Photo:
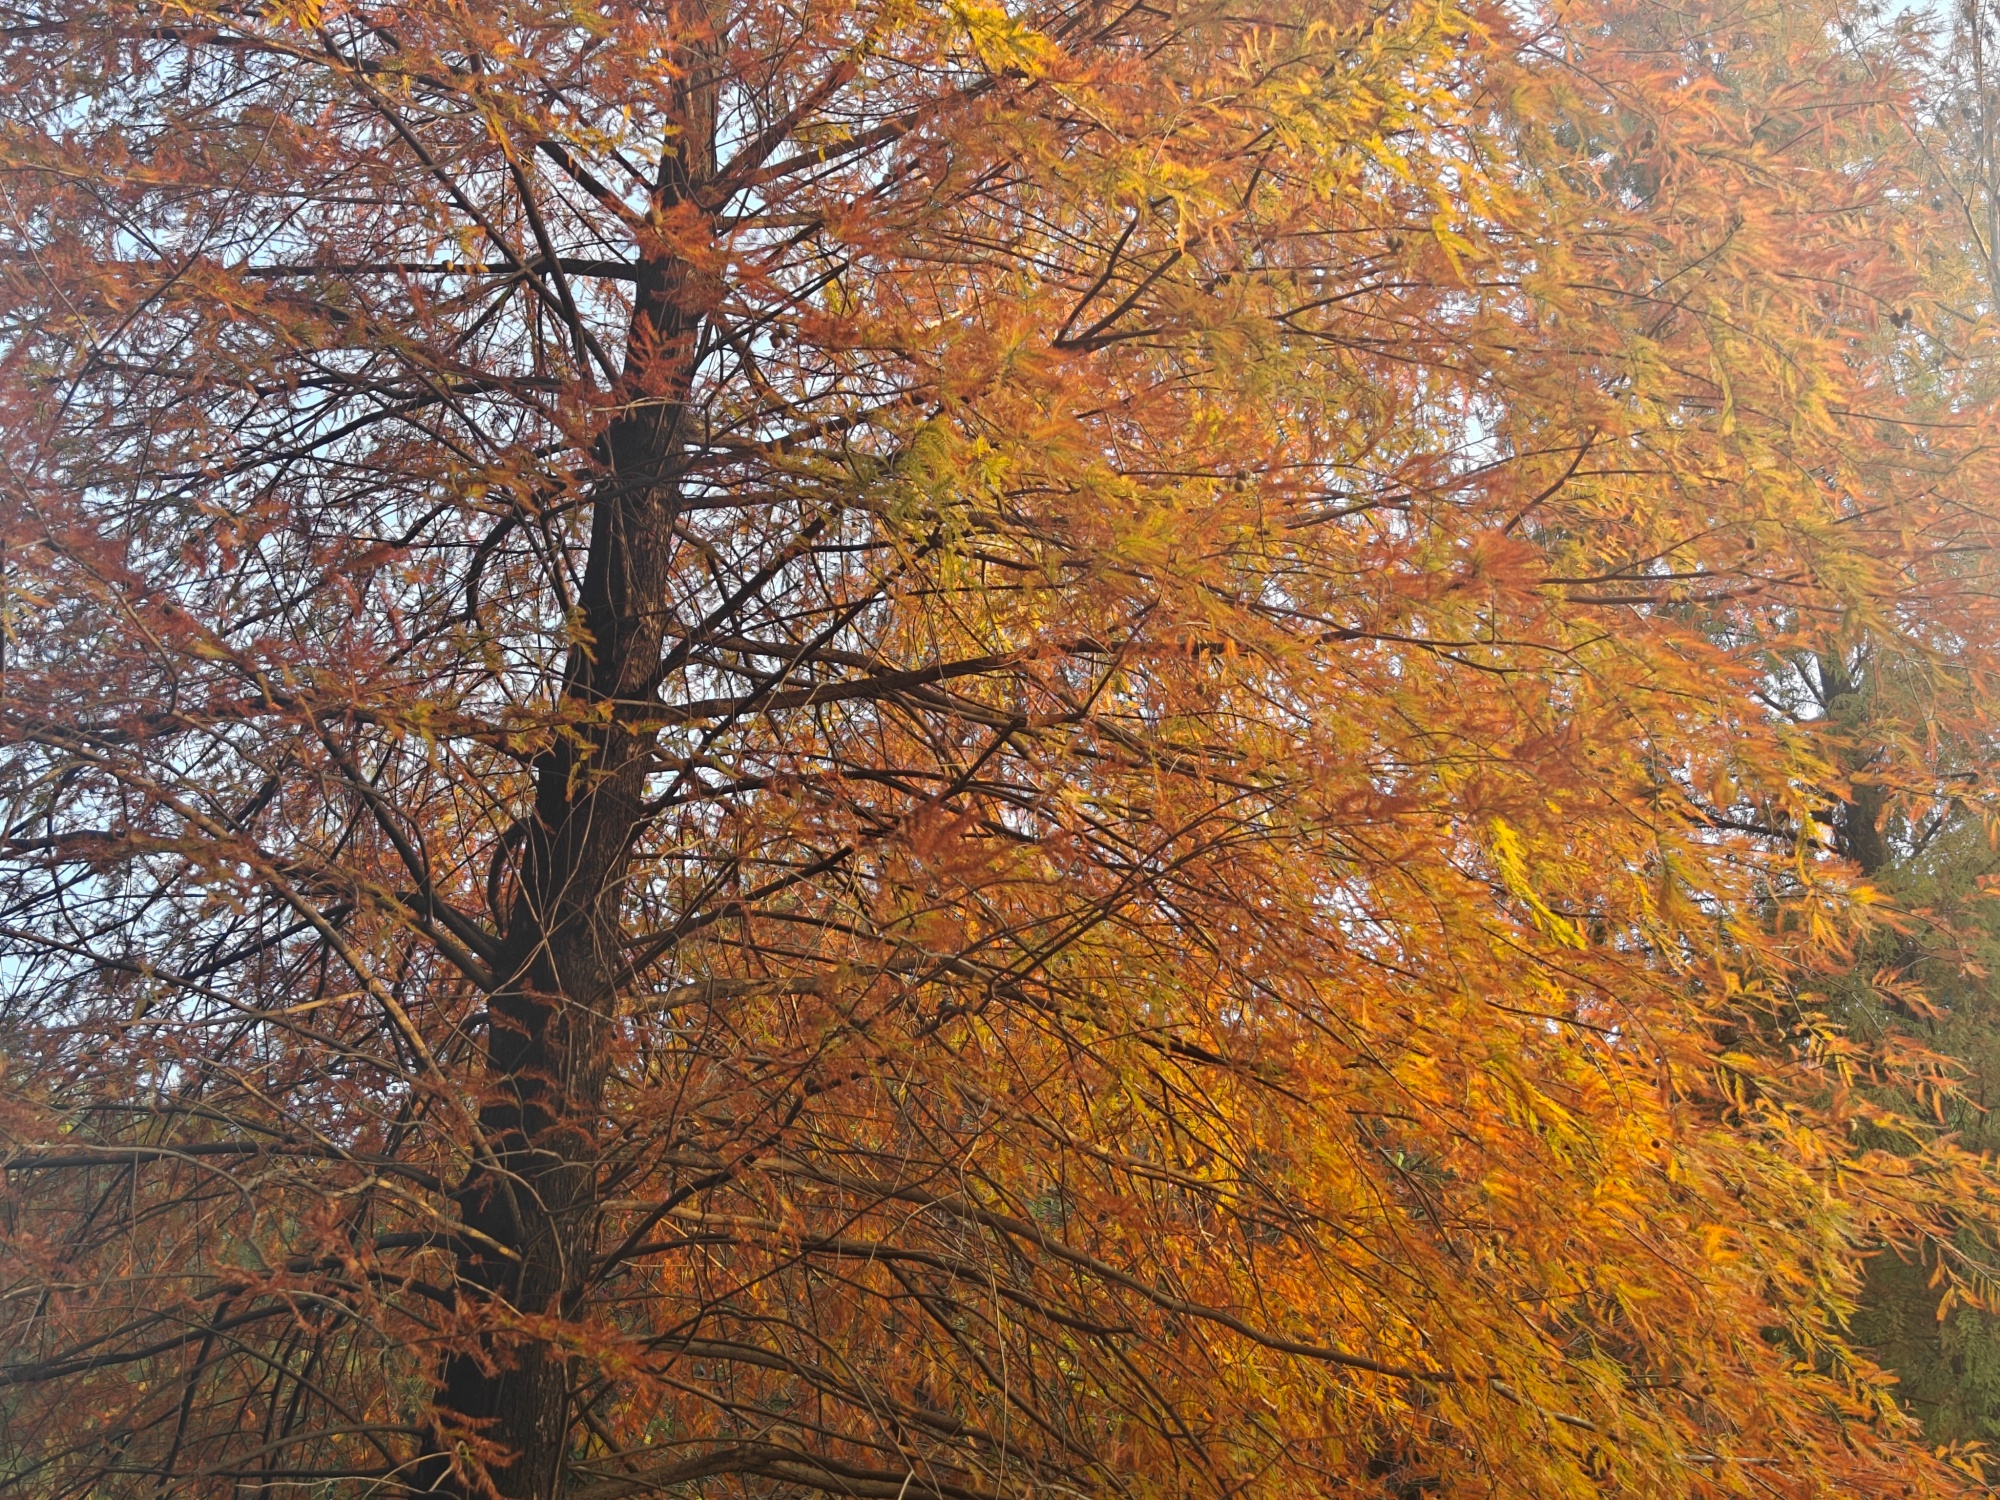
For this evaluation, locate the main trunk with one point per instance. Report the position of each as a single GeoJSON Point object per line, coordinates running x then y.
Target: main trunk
{"type": "Point", "coordinates": [1858, 831]}
{"type": "Point", "coordinates": [531, 1205]}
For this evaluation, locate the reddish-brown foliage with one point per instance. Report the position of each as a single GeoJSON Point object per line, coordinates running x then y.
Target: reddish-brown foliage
{"type": "Point", "coordinates": [941, 750]}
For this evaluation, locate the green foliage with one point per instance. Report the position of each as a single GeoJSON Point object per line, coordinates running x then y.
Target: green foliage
{"type": "Point", "coordinates": [1936, 983]}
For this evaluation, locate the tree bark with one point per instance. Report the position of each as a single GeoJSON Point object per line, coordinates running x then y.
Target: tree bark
{"type": "Point", "coordinates": [549, 1021]}
{"type": "Point", "coordinates": [1858, 831]}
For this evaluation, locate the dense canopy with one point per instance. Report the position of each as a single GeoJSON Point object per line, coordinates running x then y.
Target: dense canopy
{"type": "Point", "coordinates": [952, 751]}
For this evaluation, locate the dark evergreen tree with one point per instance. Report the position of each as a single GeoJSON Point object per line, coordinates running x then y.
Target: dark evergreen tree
{"type": "Point", "coordinates": [1936, 983]}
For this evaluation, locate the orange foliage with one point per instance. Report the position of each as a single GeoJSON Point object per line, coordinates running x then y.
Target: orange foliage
{"type": "Point", "coordinates": [964, 751]}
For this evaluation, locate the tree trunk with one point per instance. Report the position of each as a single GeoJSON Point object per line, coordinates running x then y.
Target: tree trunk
{"type": "Point", "coordinates": [1858, 831]}
{"type": "Point", "coordinates": [549, 1022]}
